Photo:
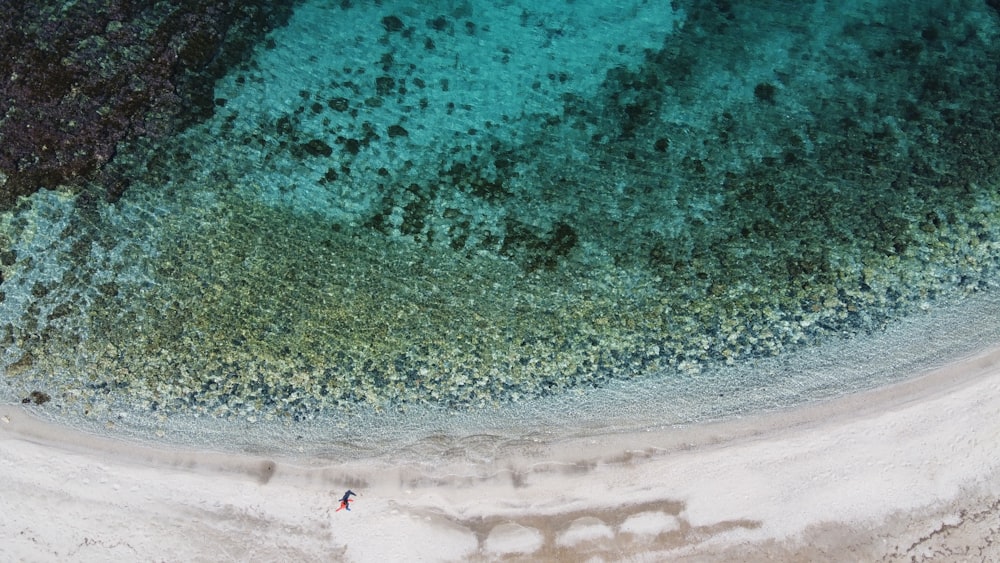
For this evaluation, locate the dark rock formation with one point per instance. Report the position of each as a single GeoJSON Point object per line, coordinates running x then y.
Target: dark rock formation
{"type": "Point", "coordinates": [80, 76]}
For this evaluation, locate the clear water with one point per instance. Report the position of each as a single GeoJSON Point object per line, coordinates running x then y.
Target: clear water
{"type": "Point", "coordinates": [494, 211]}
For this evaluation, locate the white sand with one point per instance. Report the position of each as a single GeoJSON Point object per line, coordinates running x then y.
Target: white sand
{"type": "Point", "coordinates": [905, 472]}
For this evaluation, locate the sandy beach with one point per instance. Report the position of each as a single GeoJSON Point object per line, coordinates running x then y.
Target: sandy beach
{"type": "Point", "coordinates": [906, 472]}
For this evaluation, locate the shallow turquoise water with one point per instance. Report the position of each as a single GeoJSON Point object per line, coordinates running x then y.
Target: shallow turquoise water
{"type": "Point", "coordinates": [472, 204]}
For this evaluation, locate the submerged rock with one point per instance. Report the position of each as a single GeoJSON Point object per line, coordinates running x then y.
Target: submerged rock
{"type": "Point", "coordinates": [78, 78]}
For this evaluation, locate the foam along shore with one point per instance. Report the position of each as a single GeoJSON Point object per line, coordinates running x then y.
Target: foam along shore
{"type": "Point", "coordinates": [907, 470]}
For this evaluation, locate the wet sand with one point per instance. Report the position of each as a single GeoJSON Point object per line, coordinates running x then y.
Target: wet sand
{"type": "Point", "coordinates": [906, 472]}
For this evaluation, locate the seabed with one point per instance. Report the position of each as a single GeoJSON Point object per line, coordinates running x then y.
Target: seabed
{"type": "Point", "coordinates": [491, 211]}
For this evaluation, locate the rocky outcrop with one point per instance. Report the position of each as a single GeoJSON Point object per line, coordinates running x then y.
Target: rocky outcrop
{"type": "Point", "coordinates": [81, 76]}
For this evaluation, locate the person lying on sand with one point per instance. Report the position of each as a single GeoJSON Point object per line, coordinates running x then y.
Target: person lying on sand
{"type": "Point", "coordinates": [346, 500]}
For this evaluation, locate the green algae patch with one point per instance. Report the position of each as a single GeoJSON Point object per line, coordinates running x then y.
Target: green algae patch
{"type": "Point", "coordinates": [254, 301]}
{"type": "Point", "coordinates": [244, 308]}
{"type": "Point", "coordinates": [211, 302]}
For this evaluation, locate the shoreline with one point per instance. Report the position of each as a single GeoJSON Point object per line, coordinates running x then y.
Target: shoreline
{"type": "Point", "coordinates": [903, 470]}
{"type": "Point", "coordinates": [810, 376]}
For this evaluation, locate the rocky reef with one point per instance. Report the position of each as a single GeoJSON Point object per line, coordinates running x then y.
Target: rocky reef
{"type": "Point", "coordinates": [80, 76]}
